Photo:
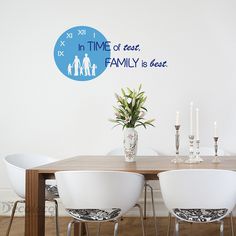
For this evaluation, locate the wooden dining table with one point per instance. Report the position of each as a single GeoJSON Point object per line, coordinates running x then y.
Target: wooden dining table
{"type": "Point", "coordinates": [149, 166]}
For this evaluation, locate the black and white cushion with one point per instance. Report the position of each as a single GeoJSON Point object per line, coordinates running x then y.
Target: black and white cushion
{"type": "Point", "coordinates": [94, 214]}
{"type": "Point", "coordinates": [52, 191]}
{"type": "Point", "coordinates": [200, 215]}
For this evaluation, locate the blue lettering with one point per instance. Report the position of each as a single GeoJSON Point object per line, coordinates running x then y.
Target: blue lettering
{"type": "Point", "coordinates": [95, 46]}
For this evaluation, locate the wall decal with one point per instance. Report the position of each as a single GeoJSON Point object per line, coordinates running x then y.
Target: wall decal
{"type": "Point", "coordinates": [80, 53]}
{"type": "Point", "coordinates": [83, 53]}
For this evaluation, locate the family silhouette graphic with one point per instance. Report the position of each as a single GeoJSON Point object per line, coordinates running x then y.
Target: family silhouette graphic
{"type": "Point", "coordinates": [84, 69]}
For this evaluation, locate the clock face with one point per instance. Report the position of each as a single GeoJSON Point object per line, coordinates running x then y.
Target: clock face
{"type": "Point", "coordinates": [80, 53]}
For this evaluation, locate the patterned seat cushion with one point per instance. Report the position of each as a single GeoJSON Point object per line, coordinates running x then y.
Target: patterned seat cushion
{"type": "Point", "coordinates": [94, 214]}
{"type": "Point", "coordinates": [200, 215]}
{"type": "Point", "coordinates": [51, 191]}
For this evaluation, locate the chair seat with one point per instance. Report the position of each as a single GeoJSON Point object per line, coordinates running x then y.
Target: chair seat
{"type": "Point", "coordinates": [51, 191]}
{"type": "Point", "coordinates": [200, 215]}
{"type": "Point", "coordinates": [94, 214]}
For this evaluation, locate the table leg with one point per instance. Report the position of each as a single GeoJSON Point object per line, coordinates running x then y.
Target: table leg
{"type": "Point", "coordinates": [77, 229]}
{"type": "Point", "coordinates": [35, 204]}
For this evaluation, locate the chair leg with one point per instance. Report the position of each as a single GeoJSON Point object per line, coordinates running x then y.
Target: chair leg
{"type": "Point", "coordinates": [87, 229]}
{"type": "Point", "coordinates": [232, 223]}
{"type": "Point", "coordinates": [12, 215]}
{"type": "Point", "coordinates": [169, 224]}
{"type": "Point", "coordinates": [98, 229]}
{"type": "Point", "coordinates": [116, 228]}
{"type": "Point", "coordinates": [141, 218]}
{"type": "Point", "coordinates": [69, 227]}
{"type": "Point", "coordinates": [221, 228]}
{"type": "Point", "coordinates": [177, 227]}
{"type": "Point", "coordinates": [145, 200]}
{"type": "Point", "coordinates": [56, 215]}
{"type": "Point", "coordinates": [153, 208]}
{"type": "Point", "coordinates": [80, 229]}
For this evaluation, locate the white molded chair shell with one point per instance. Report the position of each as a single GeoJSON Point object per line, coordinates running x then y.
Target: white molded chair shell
{"type": "Point", "coordinates": [16, 165]}
{"type": "Point", "coordinates": [99, 189]}
{"type": "Point", "coordinates": [141, 151]}
{"type": "Point", "coordinates": [198, 189]}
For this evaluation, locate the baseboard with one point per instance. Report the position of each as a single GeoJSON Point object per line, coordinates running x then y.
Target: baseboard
{"type": "Point", "coordinates": [8, 197]}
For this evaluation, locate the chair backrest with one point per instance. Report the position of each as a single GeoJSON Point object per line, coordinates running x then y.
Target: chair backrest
{"type": "Point", "coordinates": [99, 189]}
{"type": "Point", "coordinates": [198, 189]}
{"type": "Point", "coordinates": [16, 165]}
{"type": "Point", "coordinates": [142, 151]}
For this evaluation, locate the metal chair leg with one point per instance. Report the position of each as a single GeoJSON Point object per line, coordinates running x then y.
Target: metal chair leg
{"type": "Point", "coordinates": [56, 215]}
{"type": "Point", "coordinates": [12, 215]}
{"type": "Point", "coordinates": [98, 229]}
{"type": "Point", "coordinates": [153, 207]}
{"type": "Point", "coordinates": [116, 228]}
{"type": "Point", "coordinates": [56, 218]}
{"type": "Point", "coordinates": [176, 227]}
{"type": "Point", "coordinates": [221, 228]}
{"type": "Point", "coordinates": [145, 200]}
{"type": "Point", "coordinates": [169, 224]}
{"type": "Point", "coordinates": [69, 227]}
{"type": "Point", "coordinates": [232, 223]}
{"type": "Point", "coordinates": [141, 218]}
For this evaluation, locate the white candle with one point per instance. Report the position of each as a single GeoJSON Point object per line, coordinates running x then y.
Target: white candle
{"type": "Point", "coordinates": [177, 118]}
{"type": "Point", "coordinates": [215, 129]}
{"type": "Point", "coordinates": [197, 124]}
{"type": "Point", "coordinates": [191, 118]}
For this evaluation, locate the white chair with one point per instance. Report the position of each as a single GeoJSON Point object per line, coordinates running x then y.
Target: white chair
{"type": "Point", "coordinates": [16, 165]}
{"type": "Point", "coordinates": [99, 196]}
{"type": "Point", "coordinates": [143, 151]}
{"type": "Point", "coordinates": [199, 195]}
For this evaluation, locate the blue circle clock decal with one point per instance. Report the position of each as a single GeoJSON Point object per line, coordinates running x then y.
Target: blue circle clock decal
{"type": "Point", "coordinates": [80, 53]}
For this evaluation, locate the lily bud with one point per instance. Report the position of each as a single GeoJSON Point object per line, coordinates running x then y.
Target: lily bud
{"type": "Point", "coordinates": [142, 114]}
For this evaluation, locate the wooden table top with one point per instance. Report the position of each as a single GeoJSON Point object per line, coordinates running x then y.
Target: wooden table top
{"type": "Point", "coordinates": [147, 165]}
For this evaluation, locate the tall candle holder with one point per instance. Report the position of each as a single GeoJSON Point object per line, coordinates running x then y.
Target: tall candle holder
{"type": "Point", "coordinates": [216, 158]}
{"type": "Point", "coordinates": [177, 158]}
{"type": "Point", "coordinates": [192, 158]}
{"type": "Point", "coordinates": [198, 158]}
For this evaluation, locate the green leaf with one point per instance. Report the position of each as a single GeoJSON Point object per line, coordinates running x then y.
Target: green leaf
{"type": "Point", "coordinates": [130, 91]}
{"type": "Point", "coordinates": [123, 92]}
{"type": "Point", "coordinates": [144, 108]}
{"type": "Point", "coordinates": [140, 94]}
{"type": "Point", "coordinates": [142, 125]}
{"type": "Point", "coordinates": [140, 87]}
{"type": "Point", "coordinates": [133, 102]}
{"type": "Point", "coordinates": [151, 125]}
{"type": "Point", "coordinates": [116, 125]}
{"type": "Point", "coordinates": [112, 120]}
{"type": "Point", "coordinates": [116, 109]}
{"type": "Point", "coordinates": [150, 121]}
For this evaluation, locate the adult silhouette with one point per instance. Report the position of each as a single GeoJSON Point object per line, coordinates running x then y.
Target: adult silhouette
{"type": "Point", "coordinates": [76, 64]}
{"type": "Point", "coordinates": [86, 65]}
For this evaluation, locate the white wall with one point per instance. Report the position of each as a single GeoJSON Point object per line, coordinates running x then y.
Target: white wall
{"type": "Point", "coordinates": [43, 112]}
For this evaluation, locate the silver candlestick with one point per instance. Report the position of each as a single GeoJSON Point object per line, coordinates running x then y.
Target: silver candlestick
{"type": "Point", "coordinates": [216, 158]}
{"type": "Point", "coordinates": [177, 158]}
{"type": "Point", "coordinates": [192, 158]}
{"type": "Point", "coordinates": [198, 158]}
